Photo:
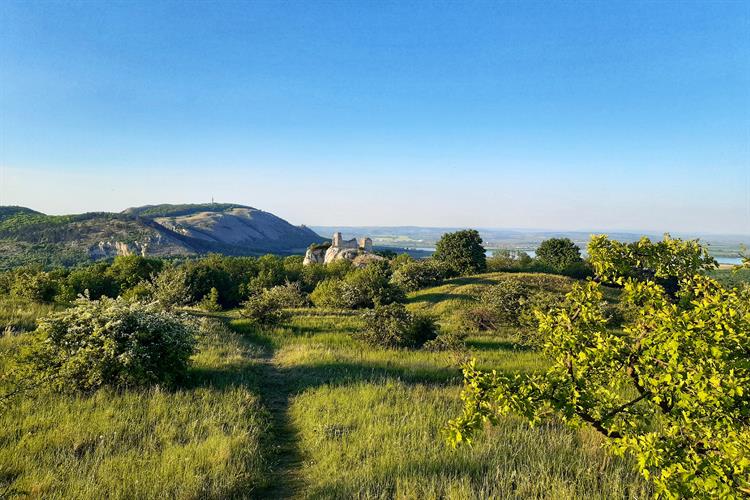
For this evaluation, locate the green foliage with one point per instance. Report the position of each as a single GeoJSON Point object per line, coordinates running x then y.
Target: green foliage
{"type": "Point", "coordinates": [417, 274]}
{"type": "Point", "coordinates": [128, 271]}
{"type": "Point", "coordinates": [109, 343]}
{"type": "Point", "coordinates": [665, 262]}
{"type": "Point", "coordinates": [462, 251]}
{"type": "Point", "coordinates": [400, 260]}
{"type": "Point", "coordinates": [288, 295]}
{"type": "Point", "coordinates": [454, 341]}
{"type": "Point", "coordinates": [499, 305]}
{"type": "Point", "coordinates": [93, 279]}
{"type": "Point", "coordinates": [508, 260]}
{"type": "Point", "coordinates": [270, 273]}
{"type": "Point", "coordinates": [267, 307]}
{"type": "Point", "coordinates": [334, 294]}
{"type": "Point", "coordinates": [170, 287]}
{"type": "Point", "coordinates": [670, 388]}
{"type": "Point", "coordinates": [393, 326]}
{"type": "Point", "coordinates": [37, 286]}
{"type": "Point", "coordinates": [365, 287]}
{"type": "Point", "coordinates": [558, 253]}
{"type": "Point", "coordinates": [210, 302]}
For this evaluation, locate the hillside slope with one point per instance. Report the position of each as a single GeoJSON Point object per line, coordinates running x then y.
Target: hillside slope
{"type": "Point", "coordinates": [30, 237]}
{"type": "Point", "coordinates": [229, 226]}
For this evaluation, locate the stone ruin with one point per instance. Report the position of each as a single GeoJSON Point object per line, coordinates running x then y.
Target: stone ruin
{"type": "Point", "coordinates": [359, 251]}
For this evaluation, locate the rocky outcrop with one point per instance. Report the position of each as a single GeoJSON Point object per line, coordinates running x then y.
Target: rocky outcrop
{"type": "Point", "coordinates": [315, 255]}
{"type": "Point", "coordinates": [107, 249]}
{"type": "Point", "coordinates": [359, 251]}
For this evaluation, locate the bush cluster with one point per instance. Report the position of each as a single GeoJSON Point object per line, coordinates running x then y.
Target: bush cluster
{"type": "Point", "coordinates": [267, 307]}
{"type": "Point", "coordinates": [369, 286]}
{"type": "Point", "coordinates": [393, 326]}
{"type": "Point", "coordinates": [419, 274]}
{"type": "Point", "coordinates": [108, 343]}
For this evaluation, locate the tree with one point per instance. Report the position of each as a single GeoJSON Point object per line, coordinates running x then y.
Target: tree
{"type": "Point", "coordinates": [665, 262]}
{"type": "Point", "coordinates": [171, 288]}
{"type": "Point", "coordinates": [37, 286]}
{"type": "Point", "coordinates": [462, 251]}
{"type": "Point", "coordinates": [507, 260]}
{"type": "Point", "coordinates": [558, 253]}
{"type": "Point", "coordinates": [93, 279]}
{"type": "Point", "coordinates": [130, 270]}
{"type": "Point", "coordinates": [671, 388]}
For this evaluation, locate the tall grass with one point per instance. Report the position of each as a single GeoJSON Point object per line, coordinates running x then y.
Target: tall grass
{"type": "Point", "coordinates": [305, 410]}
{"type": "Point", "coordinates": [19, 315]}
{"type": "Point", "coordinates": [206, 440]}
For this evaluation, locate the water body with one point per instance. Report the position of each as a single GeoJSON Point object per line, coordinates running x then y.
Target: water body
{"type": "Point", "coordinates": [734, 261]}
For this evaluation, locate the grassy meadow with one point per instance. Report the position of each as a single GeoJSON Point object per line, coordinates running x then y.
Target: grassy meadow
{"type": "Point", "coordinates": [304, 410]}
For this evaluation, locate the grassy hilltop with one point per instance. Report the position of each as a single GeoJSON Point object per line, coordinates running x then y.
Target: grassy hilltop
{"type": "Point", "coordinates": [306, 409]}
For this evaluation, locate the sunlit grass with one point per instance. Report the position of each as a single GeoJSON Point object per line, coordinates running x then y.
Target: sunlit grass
{"type": "Point", "coordinates": [361, 422]}
{"type": "Point", "coordinates": [206, 440]}
{"type": "Point", "coordinates": [19, 315]}
{"type": "Point", "coordinates": [382, 439]}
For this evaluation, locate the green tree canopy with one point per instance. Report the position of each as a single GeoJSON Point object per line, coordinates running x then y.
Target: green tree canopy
{"type": "Point", "coordinates": [665, 262]}
{"type": "Point", "coordinates": [462, 251]}
{"type": "Point", "coordinates": [671, 388]}
{"type": "Point", "coordinates": [558, 253]}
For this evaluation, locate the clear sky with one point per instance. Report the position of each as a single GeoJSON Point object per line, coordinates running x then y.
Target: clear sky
{"type": "Point", "coordinates": [559, 115]}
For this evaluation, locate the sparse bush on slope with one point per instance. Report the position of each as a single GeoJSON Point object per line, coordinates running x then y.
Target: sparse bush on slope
{"type": "Point", "coordinates": [267, 307]}
{"type": "Point", "coordinates": [393, 326]}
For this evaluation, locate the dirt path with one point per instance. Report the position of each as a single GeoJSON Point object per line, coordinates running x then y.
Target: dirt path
{"type": "Point", "coordinates": [276, 395]}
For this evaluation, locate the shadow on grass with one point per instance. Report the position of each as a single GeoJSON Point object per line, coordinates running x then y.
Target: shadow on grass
{"type": "Point", "coordinates": [495, 345]}
{"type": "Point", "coordinates": [434, 298]}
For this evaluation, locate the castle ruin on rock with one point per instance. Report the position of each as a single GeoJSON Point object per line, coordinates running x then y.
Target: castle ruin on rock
{"type": "Point", "coordinates": [359, 251]}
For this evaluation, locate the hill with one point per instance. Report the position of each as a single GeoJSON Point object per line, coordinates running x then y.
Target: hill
{"type": "Point", "coordinates": [31, 237]}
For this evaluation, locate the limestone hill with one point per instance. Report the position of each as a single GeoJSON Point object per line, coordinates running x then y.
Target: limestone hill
{"type": "Point", "coordinates": [27, 236]}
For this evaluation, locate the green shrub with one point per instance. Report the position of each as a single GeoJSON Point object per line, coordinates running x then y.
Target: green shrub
{"type": "Point", "coordinates": [499, 305]}
{"type": "Point", "coordinates": [267, 306]}
{"type": "Point", "coordinates": [130, 270]}
{"type": "Point", "coordinates": [393, 326]}
{"type": "Point", "coordinates": [509, 260]}
{"type": "Point", "coordinates": [331, 293]}
{"type": "Point", "coordinates": [311, 275]}
{"type": "Point", "coordinates": [110, 343]}
{"type": "Point", "coordinates": [578, 270]}
{"type": "Point", "coordinates": [419, 274]}
{"type": "Point", "coordinates": [361, 288]}
{"type": "Point", "coordinates": [93, 281]}
{"type": "Point", "coordinates": [447, 341]}
{"type": "Point", "coordinates": [210, 302]}
{"type": "Point", "coordinates": [36, 286]}
{"type": "Point", "coordinates": [170, 287]}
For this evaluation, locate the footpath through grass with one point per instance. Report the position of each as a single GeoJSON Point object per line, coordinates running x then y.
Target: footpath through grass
{"type": "Point", "coordinates": [367, 422]}
{"type": "Point", "coordinates": [305, 410]}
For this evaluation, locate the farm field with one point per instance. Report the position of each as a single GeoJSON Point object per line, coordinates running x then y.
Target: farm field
{"type": "Point", "coordinates": [305, 410]}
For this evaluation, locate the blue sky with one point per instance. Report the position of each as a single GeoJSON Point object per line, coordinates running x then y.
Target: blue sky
{"type": "Point", "coordinates": [559, 115]}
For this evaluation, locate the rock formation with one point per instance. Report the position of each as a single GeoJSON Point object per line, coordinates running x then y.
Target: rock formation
{"type": "Point", "coordinates": [359, 251]}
